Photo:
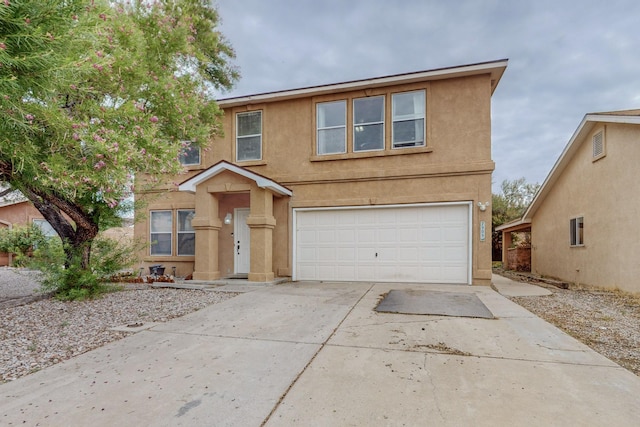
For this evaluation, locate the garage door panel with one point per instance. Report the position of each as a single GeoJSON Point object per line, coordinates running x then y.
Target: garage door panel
{"type": "Point", "coordinates": [427, 243]}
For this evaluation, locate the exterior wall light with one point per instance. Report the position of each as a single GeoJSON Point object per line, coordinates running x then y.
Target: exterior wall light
{"type": "Point", "coordinates": [483, 206]}
{"type": "Point", "coordinates": [228, 218]}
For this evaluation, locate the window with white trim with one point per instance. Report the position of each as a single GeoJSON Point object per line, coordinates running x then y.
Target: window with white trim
{"type": "Point", "coordinates": [249, 136]}
{"type": "Point", "coordinates": [576, 231]}
{"type": "Point", "coordinates": [186, 243]}
{"type": "Point", "coordinates": [189, 154]}
{"type": "Point", "coordinates": [368, 123]}
{"type": "Point", "coordinates": [408, 116]}
{"type": "Point", "coordinates": [45, 227]}
{"type": "Point", "coordinates": [161, 232]}
{"type": "Point", "coordinates": [332, 127]}
{"type": "Point", "coordinates": [598, 145]}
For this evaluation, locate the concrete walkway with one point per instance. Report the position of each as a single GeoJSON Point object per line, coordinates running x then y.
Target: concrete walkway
{"type": "Point", "coordinates": [317, 354]}
{"type": "Point", "coordinates": [510, 288]}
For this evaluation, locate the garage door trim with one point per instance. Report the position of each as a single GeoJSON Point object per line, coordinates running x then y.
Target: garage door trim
{"type": "Point", "coordinates": [468, 204]}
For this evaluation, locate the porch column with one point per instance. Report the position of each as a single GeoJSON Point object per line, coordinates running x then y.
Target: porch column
{"type": "Point", "coordinates": [506, 244]}
{"type": "Point", "coordinates": [207, 225]}
{"type": "Point", "coordinates": [261, 223]}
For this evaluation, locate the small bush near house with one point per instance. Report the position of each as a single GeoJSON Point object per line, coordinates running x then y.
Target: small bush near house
{"type": "Point", "coordinates": [21, 241]}
{"type": "Point", "coordinates": [65, 277]}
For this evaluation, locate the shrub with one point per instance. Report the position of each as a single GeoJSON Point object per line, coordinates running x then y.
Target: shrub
{"type": "Point", "coordinates": [65, 277]}
{"type": "Point", "coordinates": [21, 241]}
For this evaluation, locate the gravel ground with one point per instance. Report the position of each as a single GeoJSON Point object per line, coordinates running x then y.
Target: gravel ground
{"type": "Point", "coordinates": [45, 332]}
{"type": "Point", "coordinates": [42, 333]}
{"type": "Point", "coordinates": [606, 321]}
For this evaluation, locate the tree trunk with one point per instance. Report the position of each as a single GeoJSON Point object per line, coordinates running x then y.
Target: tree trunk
{"type": "Point", "coordinates": [58, 212]}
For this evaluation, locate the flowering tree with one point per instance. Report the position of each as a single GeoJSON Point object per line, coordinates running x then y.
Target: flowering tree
{"type": "Point", "coordinates": [93, 92]}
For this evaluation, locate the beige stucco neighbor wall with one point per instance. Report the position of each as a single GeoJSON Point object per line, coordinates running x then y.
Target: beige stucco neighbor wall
{"type": "Point", "coordinates": [605, 193]}
{"type": "Point", "coordinates": [455, 165]}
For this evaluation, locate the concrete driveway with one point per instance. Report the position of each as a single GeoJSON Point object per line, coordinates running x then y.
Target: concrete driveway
{"type": "Point", "coordinates": [318, 354]}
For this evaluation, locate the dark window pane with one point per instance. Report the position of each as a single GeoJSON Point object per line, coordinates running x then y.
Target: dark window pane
{"type": "Point", "coordinates": [250, 123]}
{"type": "Point", "coordinates": [331, 114]}
{"type": "Point", "coordinates": [160, 243]}
{"type": "Point", "coordinates": [369, 137]}
{"type": "Point", "coordinates": [184, 220]}
{"type": "Point", "coordinates": [408, 133]}
{"type": "Point", "coordinates": [190, 156]}
{"type": "Point", "coordinates": [186, 244]}
{"type": "Point", "coordinates": [368, 110]}
{"type": "Point", "coordinates": [250, 148]}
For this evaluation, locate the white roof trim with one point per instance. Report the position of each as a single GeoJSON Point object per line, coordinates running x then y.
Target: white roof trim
{"type": "Point", "coordinates": [190, 184]}
{"type": "Point", "coordinates": [586, 125]}
{"type": "Point", "coordinates": [511, 224]}
{"type": "Point", "coordinates": [495, 68]}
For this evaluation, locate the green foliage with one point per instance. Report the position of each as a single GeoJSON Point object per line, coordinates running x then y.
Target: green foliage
{"type": "Point", "coordinates": [512, 201]}
{"type": "Point", "coordinates": [510, 204]}
{"type": "Point", "coordinates": [69, 280]}
{"type": "Point", "coordinates": [21, 241]}
{"type": "Point", "coordinates": [94, 93]}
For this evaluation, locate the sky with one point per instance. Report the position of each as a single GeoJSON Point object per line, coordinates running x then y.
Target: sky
{"type": "Point", "coordinates": [566, 58]}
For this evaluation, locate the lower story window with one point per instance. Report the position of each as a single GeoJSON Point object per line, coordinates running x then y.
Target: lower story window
{"type": "Point", "coordinates": [161, 227]}
{"type": "Point", "coordinates": [45, 227]}
{"type": "Point", "coordinates": [576, 231]}
{"type": "Point", "coordinates": [186, 233]}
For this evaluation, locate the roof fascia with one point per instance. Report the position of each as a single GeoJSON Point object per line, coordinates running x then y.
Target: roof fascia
{"type": "Point", "coordinates": [190, 184]}
{"type": "Point", "coordinates": [586, 125]}
{"type": "Point", "coordinates": [495, 68]}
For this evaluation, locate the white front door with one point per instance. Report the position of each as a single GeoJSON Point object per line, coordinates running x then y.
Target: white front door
{"type": "Point", "coordinates": [242, 237]}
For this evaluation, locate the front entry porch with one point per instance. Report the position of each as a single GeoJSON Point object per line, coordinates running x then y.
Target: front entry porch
{"type": "Point", "coordinates": [220, 244]}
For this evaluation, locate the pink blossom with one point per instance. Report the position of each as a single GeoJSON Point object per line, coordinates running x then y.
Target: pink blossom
{"type": "Point", "coordinates": [99, 165]}
{"type": "Point", "coordinates": [153, 119]}
{"type": "Point", "coordinates": [76, 136]}
{"type": "Point", "coordinates": [3, 46]}
{"type": "Point", "coordinates": [29, 117]}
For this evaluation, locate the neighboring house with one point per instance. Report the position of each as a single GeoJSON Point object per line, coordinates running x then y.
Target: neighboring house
{"type": "Point", "coordinates": [20, 212]}
{"type": "Point", "coordinates": [584, 219]}
{"type": "Point", "coordinates": [369, 180]}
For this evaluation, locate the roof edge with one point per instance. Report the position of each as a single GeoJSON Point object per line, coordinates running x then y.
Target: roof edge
{"type": "Point", "coordinates": [189, 185]}
{"type": "Point", "coordinates": [585, 126]}
{"type": "Point", "coordinates": [495, 68]}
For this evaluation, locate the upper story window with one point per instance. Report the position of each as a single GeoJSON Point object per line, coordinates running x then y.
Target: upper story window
{"type": "Point", "coordinates": [332, 127]}
{"type": "Point", "coordinates": [249, 136]}
{"type": "Point", "coordinates": [576, 231]}
{"type": "Point", "coordinates": [408, 115]}
{"type": "Point", "coordinates": [368, 123]}
{"type": "Point", "coordinates": [189, 155]}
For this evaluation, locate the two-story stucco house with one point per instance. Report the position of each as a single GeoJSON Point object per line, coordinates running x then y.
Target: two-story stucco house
{"type": "Point", "coordinates": [583, 220]}
{"type": "Point", "coordinates": [370, 180]}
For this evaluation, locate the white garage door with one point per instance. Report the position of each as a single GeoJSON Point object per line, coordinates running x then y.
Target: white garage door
{"type": "Point", "coordinates": [416, 243]}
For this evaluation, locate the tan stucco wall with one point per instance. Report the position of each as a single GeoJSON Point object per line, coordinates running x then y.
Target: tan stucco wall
{"type": "Point", "coordinates": [605, 193]}
{"type": "Point", "coordinates": [455, 165]}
